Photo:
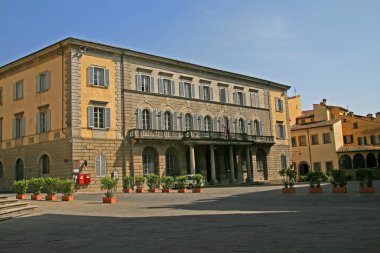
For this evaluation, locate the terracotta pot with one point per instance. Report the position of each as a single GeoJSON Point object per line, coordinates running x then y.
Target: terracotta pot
{"type": "Point", "coordinates": [139, 190]}
{"type": "Point", "coordinates": [21, 196]}
{"type": "Point", "coordinates": [36, 197]}
{"type": "Point", "coordinates": [339, 189]}
{"type": "Point", "coordinates": [110, 200]}
{"type": "Point", "coordinates": [166, 190]}
{"type": "Point", "coordinates": [366, 189]}
{"type": "Point", "coordinates": [184, 190]}
{"type": "Point", "coordinates": [315, 189]}
{"type": "Point", "coordinates": [67, 197]}
{"type": "Point", "coordinates": [197, 190]}
{"type": "Point", "coordinates": [153, 190]}
{"type": "Point", "coordinates": [288, 190]}
{"type": "Point", "coordinates": [128, 190]}
{"type": "Point", "coordinates": [51, 197]}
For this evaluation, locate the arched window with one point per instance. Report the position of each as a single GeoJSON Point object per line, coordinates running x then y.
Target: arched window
{"type": "Point", "coordinates": [44, 164]}
{"type": "Point", "coordinates": [241, 127]}
{"type": "Point", "coordinates": [19, 169]}
{"type": "Point", "coordinates": [359, 161]}
{"type": "Point", "coordinates": [283, 162]}
{"type": "Point", "coordinates": [167, 121]}
{"type": "Point", "coordinates": [345, 162]}
{"type": "Point", "coordinates": [148, 161]}
{"type": "Point", "coordinates": [1, 170]}
{"type": "Point", "coordinates": [146, 119]}
{"type": "Point", "coordinates": [371, 161]}
{"type": "Point", "coordinates": [257, 128]}
{"type": "Point", "coordinates": [100, 165]}
{"type": "Point", "coordinates": [208, 124]}
{"type": "Point", "coordinates": [170, 160]}
{"type": "Point", "coordinates": [188, 122]}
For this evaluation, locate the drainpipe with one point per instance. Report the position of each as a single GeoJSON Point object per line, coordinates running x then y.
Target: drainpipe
{"type": "Point", "coordinates": [124, 168]}
{"type": "Point", "coordinates": [63, 87]}
{"type": "Point", "coordinates": [308, 140]}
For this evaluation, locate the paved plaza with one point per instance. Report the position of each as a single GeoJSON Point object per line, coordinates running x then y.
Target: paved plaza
{"type": "Point", "coordinates": [229, 219]}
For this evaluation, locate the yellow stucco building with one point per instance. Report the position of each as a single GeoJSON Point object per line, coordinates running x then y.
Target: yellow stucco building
{"type": "Point", "coordinates": [105, 110]}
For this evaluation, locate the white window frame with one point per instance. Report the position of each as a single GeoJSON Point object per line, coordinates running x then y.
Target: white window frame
{"type": "Point", "coordinates": [207, 124]}
{"type": "Point", "coordinates": [100, 165]}
{"type": "Point", "coordinates": [279, 105]}
{"type": "Point", "coordinates": [187, 90]}
{"type": "Point", "coordinates": [281, 131]}
{"type": "Point", "coordinates": [95, 121]}
{"type": "Point", "coordinates": [43, 121]}
{"type": "Point", "coordinates": [98, 79]}
{"type": "Point", "coordinates": [239, 98]}
{"type": "Point", "coordinates": [168, 121]}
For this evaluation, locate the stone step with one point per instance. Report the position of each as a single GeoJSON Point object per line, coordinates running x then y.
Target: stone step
{"type": "Point", "coordinates": [3, 197]}
{"type": "Point", "coordinates": [11, 205]}
{"type": "Point", "coordinates": [16, 212]}
{"type": "Point", "coordinates": [7, 201]}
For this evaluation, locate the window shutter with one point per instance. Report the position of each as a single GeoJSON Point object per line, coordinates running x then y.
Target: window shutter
{"type": "Point", "coordinates": [244, 99]}
{"type": "Point", "coordinates": [23, 123]}
{"type": "Point", "coordinates": [174, 121]}
{"type": "Point", "coordinates": [154, 119]}
{"type": "Point", "coordinates": [103, 165]}
{"type": "Point", "coordinates": [48, 121]}
{"type": "Point", "coordinates": [138, 82]}
{"type": "Point", "coordinates": [90, 72]}
{"type": "Point", "coordinates": [97, 165]}
{"type": "Point", "coordinates": [283, 132]}
{"type": "Point", "coordinates": [202, 128]}
{"type": "Point", "coordinates": [14, 129]}
{"type": "Point", "coordinates": [38, 122]}
{"type": "Point", "coordinates": [278, 130]}
{"type": "Point", "coordinates": [151, 84]}
{"type": "Point", "coordinates": [195, 122]}
{"type": "Point", "coordinates": [48, 80]}
{"type": "Point", "coordinates": [22, 89]}
{"type": "Point", "coordinates": [245, 130]}
{"type": "Point", "coordinates": [162, 125]}
{"type": "Point", "coordinates": [38, 80]}
{"type": "Point", "coordinates": [223, 97]}
{"type": "Point", "coordinates": [90, 115]}
{"type": "Point", "coordinates": [181, 89]}
{"type": "Point", "coordinates": [201, 91]}
{"type": "Point", "coordinates": [281, 105]}
{"type": "Point", "coordinates": [160, 86]}
{"type": "Point", "coordinates": [277, 105]}
{"type": "Point", "coordinates": [173, 88]}
{"type": "Point", "coordinates": [211, 94]}
{"type": "Point", "coordinates": [108, 117]}
{"type": "Point", "coordinates": [222, 124]}
{"type": "Point", "coordinates": [183, 122]}
{"type": "Point", "coordinates": [235, 98]}
{"type": "Point", "coordinates": [106, 78]}
{"type": "Point", "coordinates": [231, 125]}
{"type": "Point", "coordinates": [14, 91]}
{"type": "Point", "coordinates": [215, 124]}
{"type": "Point", "coordinates": [192, 91]}
{"type": "Point", "coordinates": [138, 119]}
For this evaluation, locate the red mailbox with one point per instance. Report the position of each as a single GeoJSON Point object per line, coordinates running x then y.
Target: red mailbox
{"type": "Point", "coordinates": [87, 179]}
{"type": "Point", "coordinates": [81, 178]}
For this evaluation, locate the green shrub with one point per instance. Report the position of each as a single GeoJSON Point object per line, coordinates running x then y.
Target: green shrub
{"type": "Point", "coordinates": [337, 177]}
{"type": "Point", "coordinates": [167, 182]}
{"type": "Point", "coordinates": [304, 178]}
{"type": "Point", "coordinates": [21, 186]}
{"type": "Point", "coordinates": [181, 182]}
{"type": "Point", "coordinates": [199, 179]}
{"type": "Point", "coordinates": [316, 178]}
{"type": "Point", "coordinates": [108, 184]}
{"type": "Point", "coordinates": [365, 177]}
{"type": "Point", "coordinates": [67, 187]}
{"type": "Point", "coordinates": [139, 181]}
{"type": "Point", "coordinates": [152, 180]}
{"type": "Point", "coordinates": [52, 184]}
{"type": "Point", "coordinates": [289, 176]}
{"type": "Point", "coordinates": [37, 183]}
{"type": "Point", "coordinates": [127, 182]}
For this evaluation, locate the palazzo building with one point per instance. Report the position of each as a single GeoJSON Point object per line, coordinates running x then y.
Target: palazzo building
{"type": "Point", "coordinates": [107, 110]}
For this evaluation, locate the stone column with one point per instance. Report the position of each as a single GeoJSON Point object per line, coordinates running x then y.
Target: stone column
{"type": "Point", "coordinates": [192, 159]}
{"type": "Point", "coordinates": [231, 157]}
{"type": "Point", "coordinates": [249, 171]}
{"type": "Point", "coordinates": [212, 161]}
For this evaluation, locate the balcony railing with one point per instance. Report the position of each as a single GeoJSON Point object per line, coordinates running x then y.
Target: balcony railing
{"type": "Point", "coordinates": [196, 135]}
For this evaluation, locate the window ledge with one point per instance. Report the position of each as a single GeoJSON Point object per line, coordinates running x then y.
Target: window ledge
{"type": "Point", "coordinates": [98, 86]}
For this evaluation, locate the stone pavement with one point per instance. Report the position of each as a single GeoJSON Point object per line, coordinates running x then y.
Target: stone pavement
{"type": "Point", "coordinates": [229, 219]}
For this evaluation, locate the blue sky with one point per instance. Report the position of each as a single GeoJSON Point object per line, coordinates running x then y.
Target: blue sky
{"type": "Point", "coordinates": [325, 49]}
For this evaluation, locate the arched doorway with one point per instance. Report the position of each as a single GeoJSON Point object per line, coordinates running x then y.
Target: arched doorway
{"type": "Point", "coordinates": [371, 161]}
{"type": "Point", "coordinates": [261, 161]}
{"type": "Point", "coordinates": [171, 162]}
{"type": "Point", "coordinates": [345, 162]}
{"type": "Point", "coordinates": [19, 169]}
{"type": "Point", "coordinates": [150, 163]}
{"type": "Point", "coordinates": [359, 161]}
{"type": "Point", "coordinates": [303, 168]}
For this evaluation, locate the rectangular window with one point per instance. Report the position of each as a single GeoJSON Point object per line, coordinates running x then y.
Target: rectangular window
{"type": "Point", "coordinates": [314, 139]}
{"type": "Point", "coordinates": [279, 105]}
{"type": "Point", "coordinates": [98, 76]}
{"type": "Point", "coordinates": [329, 166]}
{"type": "Point", "coordinates": [144, 83]}
{"type": "Point", "coordinates": [43, 121]}
{"type": "Point", "coordinates": [374, 139]}
{"type": "Point", "coordinates": [205, 92]}
{"type": "Point", "coordinates": [18, 90]}
{"type": "Point", "coordinates": [294, 142]}
{"type": "Point", "coordinates": [255, 99]}
{"type": "Point", "coordinates": [360, 141]}
{"type": "Point", "coordinates": [365, 140]}
{"type": "Point", "coordinates": [43, 81]}
{"type": "Point", "coordinates": [281, 133]}
{"type": "Point", "coordinates": [166, 86]}
{"type": "Point", "coordinates": [186, 89]}
{"type": "Point", "coordinates": [355, 125]}
{"type": "Point", "coordinates": [326, 138]}
{"type": "Point", "coordinates": [317, 166]}
{"type": "Point", "coordinates": [302, 140]}
{"type": "Point", "coordinates": [239, 98]}
{"type": "Point", "coordinates": [18, 126]}
{"type": "Point", "coordinates": [348, 139]}
{"type": "Point", "coordinates": [99, 117]}
{"type": "Point", "coordinates": [223, 95]}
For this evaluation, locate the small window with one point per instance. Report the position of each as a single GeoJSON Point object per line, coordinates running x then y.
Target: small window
{"type": "Point", "coordinates": [302, 140]}
{"type": "Point", "coordinates": [45, 164]}
{"type": "Point", "coordinates": [167, 121]}
{"type": "Point", "coordinates": [360, 141]}
{"type": "Point", "coordinates": [166, 86]}
{"type": "Point", "coordinates": [257, 128]}
{"type": "Point", "coordinates": [348, 139]}
{"type": "Point", "coordinates": [255, 99]}
{"type": "Point", "coordinates": [239, 98]}
{"type": "Point", "coordinates": [317, 166]}
{"type": "Point", "coordinates": [241, 126]}
{"type": "Point", "coordinates": [355, 125]}
{"type": "Point", "coordinates": [283, 162]}
{"type": "Point", "coordinates": [100, 165]}
{"type": "Point", "coordinates": [365, 140]}
{"type": "Point", "coordinates": [294, 142]}
{"type": "Point", "coordinates": [98, 76]}
{"type": "Point", "coordinates": [314, 140]}
{"type": "Point", "coordinates": [18, 90]}
{"type": "Point", "coordinates": [281, 133]}
{"type": "Point", "coordinates": [99, 117]}
{"type": "Point", "coordinates": [43, 81]}
{"type": "Point", "coordinates": [186, 89]}
{"type": "Point", "coordinates": [223, 95]}
{"type": "Point", "coordinates": [144, 83]}
{"type": "Point", "coordinates": [208, 124]}
{"type": "Point", "coordinates": [18, 126]}
{"type": "Point", "coordinates": [205, 92]}
{"type": "Point", "coordinates": [279, 105]}
{"type": "Point", "coordinates": [374, 139]}
{"type": "Point", "coordinates": [146, 119]}
{"type": "Point", "coordinates": [43, 121]}
{"type": "Point", "coordinates": [326, 138]}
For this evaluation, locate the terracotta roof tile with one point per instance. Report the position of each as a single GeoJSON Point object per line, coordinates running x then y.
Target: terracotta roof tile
{"type": "Point", "coordinates": [357, 148]}
{"type": "Point", "coordinates": [314, 125]}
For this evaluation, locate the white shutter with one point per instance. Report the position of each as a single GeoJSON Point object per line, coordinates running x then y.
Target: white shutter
{"type": "Point", "coordinates": [201, 92]}
{"type": "Point", "coordinates": [192, 91]}
{"type": "Point", "coordinates": [160, 86]}
{"type": "Point", "coordinates": [14, 129]}
{"type": "Point", "coordinates": [181, 89]}
{"type": "Point", "coordinates": [174, 121]}
{"type": "Point", "coordinates": [23, 126]}
{"type": "Point", "coordinates": [245, 127]}
{"type": "Point", "coordinates": [195, 122]}
{"type": "Point", "coordinates": [261, 128]}
{"type": "Point", "coordinates": [183, 122]}
{"type": "Point", "coordinates": [138, 82]}
{"type": "Point", "coordinates": [97, 165]}
{"type": "Point", "coordinates": [14, 91]}
{"type": "Point", "coordinates": [162, 125]}
{"type": "Point", "coordinates": [90, 72]}
{"type": "Point", "coordinates": [173, 88]}
{"type": "Point", "coordinates": [277, 105]}
{"type": "Point", "coordinates": [235, 98]}
{"type": "Point", "coordinates": [215, 124]}
{"type": "Point", "coordinates": [106, 77]}
{"type": "Point", "coordinates": [108, 117]}
{"type": "Point", "coordinates": [151, 84]}
{"type": "Point", "coordinates": [139, 119]}
{"type": "Point", "coordinates": [244, 99]}
{"type": "Point", "coordinates": [154, 120]}
{"type": "Point", "coordinates": [90, 116]}
{"type": "Point", "coordinates": [202, 128]}
{"type": "Point", "coordinates": [211, 94]}
{"type": "Point", "coordinates": [38, 80]}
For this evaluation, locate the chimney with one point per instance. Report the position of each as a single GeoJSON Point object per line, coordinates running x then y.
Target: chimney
{"type": "Point", "coordinates": [323, 101]}
{"type": "Point", "coordinates": [350, 113]}
{"type": "Point", "coordinates": [369, 115]}
{"type": "Point", "coordinates": [378, 115]}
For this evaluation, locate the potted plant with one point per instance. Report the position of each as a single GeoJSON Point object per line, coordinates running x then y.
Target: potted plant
{"type": "Point", "coordinates": [199, 183]}
{"type": "Point", "coordinates": [108, 184]}
{"type": "Point", "coordinates": [167, 183]}
{"type": "Point", "coordinates": [315, 180]}
{"type": "Point", "coordinates": [139, 182]}
{"type": "Point", "coordinates": [289, 176]}
{"type": "Point", "coordinates": [51, 185]}
{"type": "Point", "coordinates": [152, 180]}
{"type": "Point", "coordinates": [37, 183]}
{"type": "Point", "coordinates": [181, 182]}
{"type": "Point", "coordinates": [68, 189]}
{"type": "Point", "coordinates": [127, 184]}
{"type": "Point", "coordinates": [338, 180]}
{"type": "Point", "coordinates": [21, 187]}
{"type": "Point", "coordinates": [365, 178]}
